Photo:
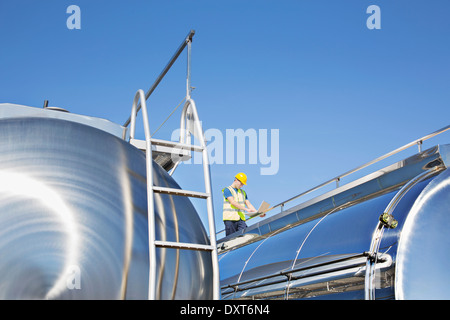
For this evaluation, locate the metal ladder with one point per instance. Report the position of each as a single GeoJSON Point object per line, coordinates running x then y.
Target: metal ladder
{"type": "Point", "coordinates": [190, 125]}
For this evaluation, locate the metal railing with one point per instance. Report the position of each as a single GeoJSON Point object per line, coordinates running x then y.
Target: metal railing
{"type": "Point", "coordinates": [338, 178]}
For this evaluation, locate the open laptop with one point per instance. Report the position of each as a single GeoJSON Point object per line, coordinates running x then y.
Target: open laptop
{"type": "Point", "coordinates": [264, 207]}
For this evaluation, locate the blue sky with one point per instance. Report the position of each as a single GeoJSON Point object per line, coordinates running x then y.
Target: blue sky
{"type": "Point", "coordinates": [339, 94]}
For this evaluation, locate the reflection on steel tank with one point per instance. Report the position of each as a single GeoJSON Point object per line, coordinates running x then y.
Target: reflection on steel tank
{"type": "Point", "coordinates": [73, 214]}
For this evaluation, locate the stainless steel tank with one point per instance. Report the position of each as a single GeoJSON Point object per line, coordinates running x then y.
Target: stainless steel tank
{"type": "Point", "coordinates": [338, 245]}
{"type": "Point", "coordinates": [73, 214]}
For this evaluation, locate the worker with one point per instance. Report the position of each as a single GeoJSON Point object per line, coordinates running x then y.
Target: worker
{"type": "Point", "coordinates": [235, 204]}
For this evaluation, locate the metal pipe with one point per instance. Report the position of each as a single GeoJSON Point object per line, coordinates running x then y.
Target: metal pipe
{"type": "Point", "coordinates": [289, 273]}
{"type": "Point", "coordinates": [180, 49]}
{"type": "Point", "coordinates": [188, 71]}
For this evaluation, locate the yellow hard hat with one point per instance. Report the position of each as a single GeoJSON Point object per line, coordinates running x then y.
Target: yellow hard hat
{"type": "Point", "coordinates": [241, 177]}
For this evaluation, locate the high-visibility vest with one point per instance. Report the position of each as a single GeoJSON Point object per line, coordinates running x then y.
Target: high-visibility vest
{"type": "Point", "coordinates": [230, 212]}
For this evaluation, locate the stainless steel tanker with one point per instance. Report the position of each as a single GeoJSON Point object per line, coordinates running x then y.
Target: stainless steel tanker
{"type": "Point", "coordinates": [89, 212]}
{"type": "Point", "coordinates": [383, 236]}
{"type": "Point", "coordinates": [73, 221]}
{"type": "Point", "coordinates": [73, 214]}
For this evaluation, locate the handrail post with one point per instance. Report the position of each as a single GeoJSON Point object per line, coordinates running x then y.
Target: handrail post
{"type": "Point", "coordinates": [150, 201]}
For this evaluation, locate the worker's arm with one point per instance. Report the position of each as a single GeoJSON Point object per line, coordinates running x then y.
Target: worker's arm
{"type": "Point", "coordinates": [237, 205]}
{"type": "Point", "coordinates": [253, 208]}
{"type": "Point", "coordinates": [250, 206]}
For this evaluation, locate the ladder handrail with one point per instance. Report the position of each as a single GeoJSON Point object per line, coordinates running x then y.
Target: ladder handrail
{"type": "Point", "coordinates": [150, 199]}
{"type": "Point", "coordinates": [209, 202]}
{"type": "Point", "coordinates": [197, 131]}
{"type": "Point", "coordinates": [140, 96]}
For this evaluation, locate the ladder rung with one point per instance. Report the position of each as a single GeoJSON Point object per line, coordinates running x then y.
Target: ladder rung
{"type": "Point", "coordinates": [180, 192]}
{"type": "Point", "coordinates": [140, 144]}
{"type": "Point", "coordinates": [182, 245]}
{"type": "Point", "coordinates": [175, 144]}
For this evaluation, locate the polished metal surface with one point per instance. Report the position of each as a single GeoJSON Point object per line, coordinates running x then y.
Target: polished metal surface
{"type": "Point", "coordinates": [333, 237]}
{"type": "Point", "coordinates": [379, 182]}
{"type": "Point", "coordinates": [389, 222]}
{"type": "Point", "coordinates": [422, 267]}
{"type": "Point", "coordinates": [73, 217]}
{"type": "Point", "coordinates": [10, 110]}
{"type": "Point", "coordinates": [321, 249]}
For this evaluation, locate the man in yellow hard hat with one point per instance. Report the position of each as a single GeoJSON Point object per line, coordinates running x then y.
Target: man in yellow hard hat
{"type": "Point", "coordinates": [235, 204]}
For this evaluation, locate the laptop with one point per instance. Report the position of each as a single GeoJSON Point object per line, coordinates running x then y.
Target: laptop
{"type": "Point", "coordinates": [264, 207]}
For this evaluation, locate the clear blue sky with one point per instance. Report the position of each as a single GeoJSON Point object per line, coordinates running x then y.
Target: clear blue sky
{"type": "Point", "coordinates": [339, 93]}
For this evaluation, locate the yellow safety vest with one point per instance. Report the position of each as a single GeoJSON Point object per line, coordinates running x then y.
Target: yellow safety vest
{"type": "Point", "coordinates": [230, 212]}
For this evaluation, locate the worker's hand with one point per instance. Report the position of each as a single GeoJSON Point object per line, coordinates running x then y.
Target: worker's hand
{"type": "Point", "coordinates": [250, 210]}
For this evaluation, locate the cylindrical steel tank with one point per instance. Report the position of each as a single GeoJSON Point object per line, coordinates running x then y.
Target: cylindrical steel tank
{"type": "Point", "coordinates": [422, 259]}
{"type": "Point", "coordinates": [323, 250]}
{"type": "Point", "coordinates": [73, 217]}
